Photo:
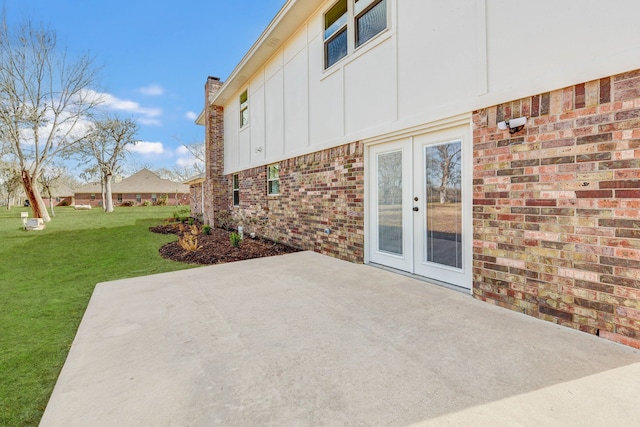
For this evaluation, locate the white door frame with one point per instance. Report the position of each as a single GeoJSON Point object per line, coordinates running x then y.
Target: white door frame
{"type": "Point", "coordinates": [407, 137]}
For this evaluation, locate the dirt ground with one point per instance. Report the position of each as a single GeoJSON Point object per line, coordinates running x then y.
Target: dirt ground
{"type": "Point", "coordinates": [216, 248]}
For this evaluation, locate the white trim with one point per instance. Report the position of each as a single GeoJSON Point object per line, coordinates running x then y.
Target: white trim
{"type": "Point", "coordinates": [482, 54]}
{"type": "Point", "coordinates": [408, 136]}
{"type": "Point", "coordinates": [462, 119]}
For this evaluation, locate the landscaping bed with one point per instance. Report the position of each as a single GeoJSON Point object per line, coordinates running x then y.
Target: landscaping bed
{"type": "Point", "coordinates": [216, 247]}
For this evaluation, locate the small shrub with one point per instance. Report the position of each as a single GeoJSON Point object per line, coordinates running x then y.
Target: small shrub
{"type": "Point", "coordinates": [63, 203]}
{"type": "Point", "coordinates": [224, 220]}
{"type": "Point", "coordinates": [146, 203]}
{"type": "Point", "coordinates": [206, 229]}
{"type": "Point", "coordinates": [162, 201]}
{"type": "Point", "coordinates": [127, 204]}
{"type": "Point", "coordinates": [189, 242]}
{"type": "Point", "coordinates": [191, 221]}
{"type": "Point", "coordinates": [234, 238]}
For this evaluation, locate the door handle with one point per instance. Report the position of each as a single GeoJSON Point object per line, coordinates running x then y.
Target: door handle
{"type": "Point", "coordinates": [416, 209]}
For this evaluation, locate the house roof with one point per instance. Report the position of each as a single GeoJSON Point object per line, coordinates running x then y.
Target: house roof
{"type": "Point", "coordinates": [198, 179]}
{"type": "Point", "coordinates": [143, 181]}
{"type": "Point", "coordinates": [62, 190]}
{"type": "Point", "coordinates": [288, 20]}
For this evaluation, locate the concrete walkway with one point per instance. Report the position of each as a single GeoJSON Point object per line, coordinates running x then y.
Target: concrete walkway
{"type": "Point", "coordinates": [307, 340]}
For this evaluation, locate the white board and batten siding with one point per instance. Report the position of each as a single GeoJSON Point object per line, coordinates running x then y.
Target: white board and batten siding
{"type": "Point", "coordinates": [437, 59]}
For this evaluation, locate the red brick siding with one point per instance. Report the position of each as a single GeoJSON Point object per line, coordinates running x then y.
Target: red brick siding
{"type": "Point", "coordinates": [172, 200]}
{"type": "Point", "coordinates": [318, 191]}
{"type": "Point", "coordinates": [557, 207]}
{"type": "Point", "coordinates": [215, 185]}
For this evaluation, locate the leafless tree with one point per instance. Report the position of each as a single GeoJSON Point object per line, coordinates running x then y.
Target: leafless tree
{"type": "Point", "coordinates": [10, 181]}
{"type": "Point", "coordinates": [198, 153]}
{"type": "Point", "coordinates": [45, 99]}
{"type": "Point", "coordinates": [444, 169]}
{"type": "Point", "coordinates": [106, 145]}
{"type": "Point", "coordinates": [48, 180]}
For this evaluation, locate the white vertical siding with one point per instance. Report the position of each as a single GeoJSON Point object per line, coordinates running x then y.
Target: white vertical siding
{"type": "Point", "coordinates": [436, 60]}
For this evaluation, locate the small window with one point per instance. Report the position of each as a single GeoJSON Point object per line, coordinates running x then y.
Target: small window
{"type": "Point", "coordinates": [335, 33]}
{"type": "Point", "coordinates": [244, 109]}
{"type": "Point", "coordinates": [138, 198]}
{"type": "Point", "coordinates": [93, 196]}
{"type": "Point", "coordinates": [120, 198]}
{"type": "Point", "coordinates": [370, 18]}
{"type": "Point", "coordinates": [154, 198]}
{"type": "Point", "coordinates": [236, 190]}
{"type": "Point", "coordinates": [273, 179]}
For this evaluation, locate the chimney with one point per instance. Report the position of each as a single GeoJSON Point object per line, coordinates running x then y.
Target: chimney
{"type": "Point", "coordinates": [216, 185]}
{"type": "Point", "coordinates": [212, 87]}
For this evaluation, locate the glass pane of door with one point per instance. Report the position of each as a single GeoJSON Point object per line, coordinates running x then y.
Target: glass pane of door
{"type": "Point", "coordinates": [443, 190]}
{"type": "Point", "coordinates": [389, 173]}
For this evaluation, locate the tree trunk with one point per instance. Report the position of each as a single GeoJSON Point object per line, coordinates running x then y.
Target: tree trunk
{"type": "Point", "coordinates": [443, 195]}
{"type": "Point", "coordinates": [33, 195]}
{"type": "Point", "coordinates": [108, 199]}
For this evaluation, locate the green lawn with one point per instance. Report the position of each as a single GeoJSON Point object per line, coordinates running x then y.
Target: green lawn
{"type": "Point", "coordinates": [46, 280]}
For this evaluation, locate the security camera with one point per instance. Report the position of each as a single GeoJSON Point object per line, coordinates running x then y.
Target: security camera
{"type": "Point", "coordinates": [520, 121]}
{"type": "Point", "coordinates": [514, 125]}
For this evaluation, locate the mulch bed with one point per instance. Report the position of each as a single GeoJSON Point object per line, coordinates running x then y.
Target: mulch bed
{"type": "Point", "coordinates": [216, 247]}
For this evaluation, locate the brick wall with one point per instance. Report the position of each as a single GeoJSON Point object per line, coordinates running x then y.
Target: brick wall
{"type": "Point", "coordinates": [195, 196]}
{"type": "Point", "coordinates": [215, 184]}
{"type": "Point", "coordinates": [557, 207]}
{"type": "Point", "coordinates": [173, 199]}
{"type": "Point", "coordinates": [318, 191]}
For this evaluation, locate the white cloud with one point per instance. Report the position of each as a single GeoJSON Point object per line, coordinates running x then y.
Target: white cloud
{"type": "Point", "coordinates": [183, 151]}
{"type": "Point", "coordinates": [149, 116]}
{"type": "Point", "coordinates": [146, 148]}
{"type": "Point", "coordinates": [188, 162]}
{"type": "Point", "coordinates": [152, 90]}
{"type": "Point", "coordinates": [190, 115]}
{"type": "Point", "coordinates": [149, 122]}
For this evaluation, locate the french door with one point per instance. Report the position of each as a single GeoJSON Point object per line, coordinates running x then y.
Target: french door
{"type": "Point", "coordinates": [420, 205]}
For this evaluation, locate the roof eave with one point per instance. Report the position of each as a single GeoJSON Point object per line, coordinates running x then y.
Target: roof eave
{"type": "Point", "coordinates": [287, 21]}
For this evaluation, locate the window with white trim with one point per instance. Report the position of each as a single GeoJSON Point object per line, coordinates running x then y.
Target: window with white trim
{"type": "Point", "coordinates": [368, 19]}
{"type": "Point", "coordinates": [236, 190]}
{"type": "Point", "coordinates": [273, 179]}
{"type": "Point", "coordinates": [335, 33]}
{"type": "Point", "coordinates": [244, 109]}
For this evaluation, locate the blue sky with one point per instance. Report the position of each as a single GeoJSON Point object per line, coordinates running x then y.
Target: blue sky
{"type": "Point", "coordinates": [155, 56]}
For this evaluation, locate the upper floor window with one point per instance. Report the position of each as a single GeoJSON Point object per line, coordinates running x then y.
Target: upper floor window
{"type": "Point", "coordinates": [273, 179]}
{"type": "Point", "coordinates": [244, 109]}
{"type": "Point", "coordinates": [335, 33]}
{"type": "Point", "coordinates": [368, 18]}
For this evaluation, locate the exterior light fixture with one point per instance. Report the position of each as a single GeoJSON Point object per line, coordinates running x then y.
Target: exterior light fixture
{"type": "Point", "coordinates": [514, 125]}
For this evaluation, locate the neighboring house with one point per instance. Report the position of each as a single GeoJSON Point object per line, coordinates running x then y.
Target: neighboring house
{"type": "Point", "coordinates": [63, 195]}
{"type": "Point", "coordinates": [389, 132]}
{"type": "Point", "coordinates": [143, 186]}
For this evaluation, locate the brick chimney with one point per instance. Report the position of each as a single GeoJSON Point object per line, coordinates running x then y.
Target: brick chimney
{"type": "Point", "coordinates": [216, 185]}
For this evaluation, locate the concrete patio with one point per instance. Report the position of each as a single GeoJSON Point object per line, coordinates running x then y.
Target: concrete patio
{"type": "Point", "coordinates": [308, 340]}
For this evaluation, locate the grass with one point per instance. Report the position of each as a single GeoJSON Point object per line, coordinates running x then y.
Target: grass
{"type": "Point", "coordinates": [46, 280]}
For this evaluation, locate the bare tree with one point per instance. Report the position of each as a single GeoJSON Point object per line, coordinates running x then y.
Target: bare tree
{"type": "Point", "coordinates": [106, 144]}
{"type": "Point", "coordinates": [198, 152]}
{"type": "Point", "coordinates": [444, 171]}
{"type": "Point", "coordinates": [10, 181]}
{"type": "Point", "coordinates": [48, 181]}
{"type": "Point", "coordinates": [45, 99]}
